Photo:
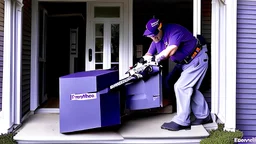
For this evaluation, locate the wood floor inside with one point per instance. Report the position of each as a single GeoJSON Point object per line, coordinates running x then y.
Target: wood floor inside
{"type": "Point", "coordinates": [52, 102]}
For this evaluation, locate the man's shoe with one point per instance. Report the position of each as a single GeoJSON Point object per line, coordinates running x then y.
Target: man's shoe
{"type": "Point", "coordinates": [206, 120]}
{"type": "Point", "coordinates": [172, 126]}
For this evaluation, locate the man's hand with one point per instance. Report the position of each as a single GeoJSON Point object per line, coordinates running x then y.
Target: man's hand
{"type": "Point", "coordinates": [145, 59]}
{"type": "Point", "coordinates": [159, 58]}
{"type": "Point", "coordinates": [148, 58]}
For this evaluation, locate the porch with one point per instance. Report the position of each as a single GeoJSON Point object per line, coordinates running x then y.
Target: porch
{"type": "Point", "coordinates": [136, 128]}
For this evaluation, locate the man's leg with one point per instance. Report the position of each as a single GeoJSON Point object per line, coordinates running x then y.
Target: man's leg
{"type": "Point", "coordinates": [191, 75]}
{"type": "Point", "coordinates": [170, 80]}
{"type": "Point", "coordinates": [198, 104]}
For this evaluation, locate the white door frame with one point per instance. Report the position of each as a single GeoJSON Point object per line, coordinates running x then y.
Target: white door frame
{"type": "Point", "coordinates": [90, 36]}
{"type": "Point", "coordinates": [8, 114]}
{"type": "Point", "coordinates": [217, 70]}
{"type": "Point", "coordinates": [224, 28]}
{"type": "Point", "coordinates": [11, 84]}
{"type": "Point", "coordinates": [128, 46]}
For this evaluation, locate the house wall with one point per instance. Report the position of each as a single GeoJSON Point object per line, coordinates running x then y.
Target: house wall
{"type": "Point", "coordinates": [246, 67]}
{"type": "Point", "coordinates": [1, 47]}
{"type": "Point", "coordinates": [26, 52]}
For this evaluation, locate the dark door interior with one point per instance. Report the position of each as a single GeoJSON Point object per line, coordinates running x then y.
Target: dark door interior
{"type": "Point", "coordinates": [58, 50]}
{"type": "Point", "coordinates": [61, 18]}
{"type": "Point", "coordinates": [168, 11]}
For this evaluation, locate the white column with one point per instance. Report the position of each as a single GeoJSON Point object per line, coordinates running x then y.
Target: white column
{"type": "Point", "coordinates": [215, 57]}
{"type": "Point", "coordinates": [18, 60]}
{"type": "Point", "coordinates": [222, 65]}
{"type": "Point", "coordinates": [7, 94]}
{"type": "Point", "coordinates": [34, 101]}
{"type": "Point", "coordinates": [224, 62]}
{"type": "Point", "coordinates": [231, 49]}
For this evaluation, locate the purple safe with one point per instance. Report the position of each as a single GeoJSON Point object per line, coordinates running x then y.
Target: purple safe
{"type": "Point", "coordinates": [145, 93]}
{"type": "Point", "coordinates": [86, 102]}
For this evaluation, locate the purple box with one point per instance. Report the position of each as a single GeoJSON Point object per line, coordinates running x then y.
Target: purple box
{"type": "Point", "coordinates": [86, 102]}
{"type": "Point", "coordinates": [145, 94]}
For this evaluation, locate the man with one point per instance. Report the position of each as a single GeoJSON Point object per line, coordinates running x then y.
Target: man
{"type": "Point", "coordinates": [175, 42]}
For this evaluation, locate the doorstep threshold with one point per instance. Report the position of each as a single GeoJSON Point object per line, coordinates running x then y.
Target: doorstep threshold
{"type": "Point", "coordinates": [44, 128]}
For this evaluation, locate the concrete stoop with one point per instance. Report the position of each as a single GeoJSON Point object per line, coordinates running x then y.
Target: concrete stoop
{"type": "Point", "coordinates": [44, 128]}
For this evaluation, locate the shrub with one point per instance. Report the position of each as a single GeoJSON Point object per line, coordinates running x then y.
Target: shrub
{"type": "Point", "coordinates": [7, 138]}
{"type": "Point", "coordinates": [220, 136]}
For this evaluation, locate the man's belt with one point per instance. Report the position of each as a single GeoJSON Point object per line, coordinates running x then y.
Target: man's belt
{"type": "Point", "coordinates": [190, 57]}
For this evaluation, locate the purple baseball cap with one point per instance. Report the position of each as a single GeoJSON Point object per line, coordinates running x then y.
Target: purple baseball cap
{"type": "Point", "coordinates": [152, 27]}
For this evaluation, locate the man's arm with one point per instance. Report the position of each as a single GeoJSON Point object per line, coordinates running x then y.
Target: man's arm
{"type": "Point", "coordinates": [169, 51]}
{"type": "Point", "coordinates": [148, 54]}
{"type": "Point", "coordinates": [166, 53]}
{"type": "Point", "coordinates": [151, 50]}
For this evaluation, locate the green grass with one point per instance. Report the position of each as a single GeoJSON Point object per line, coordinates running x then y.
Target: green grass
{"type": "Point", "coordinates": [7, 138]}
{"type": "Point", "coordinates": [220, 136]}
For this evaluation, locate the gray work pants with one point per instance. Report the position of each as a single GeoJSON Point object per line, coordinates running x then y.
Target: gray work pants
{"type": "Point", "coordinates": [187, 92]}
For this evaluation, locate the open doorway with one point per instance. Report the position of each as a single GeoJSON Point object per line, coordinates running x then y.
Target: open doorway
{"type": "Point", "coordinates": [171, 11]}
{"type": "Point", "coordinates": [64, 42]}
{"type": "Point", "coordinates": [63, 16]}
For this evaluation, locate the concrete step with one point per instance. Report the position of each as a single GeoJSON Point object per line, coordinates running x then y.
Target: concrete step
{"type": "Point", "coordinates": [44, 128]}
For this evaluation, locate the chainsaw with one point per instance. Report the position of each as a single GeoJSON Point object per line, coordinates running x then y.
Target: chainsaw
{"type": "Point", "coordinates": [145, 67]}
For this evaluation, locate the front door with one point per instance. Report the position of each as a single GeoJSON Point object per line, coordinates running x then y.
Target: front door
{"type": "Point", "coordinates": [105, 28]}
{"type": "Point", "coordinates": [42, 56]}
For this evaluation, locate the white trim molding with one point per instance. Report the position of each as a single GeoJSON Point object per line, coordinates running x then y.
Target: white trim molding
{"type": "Point", "coordinates": [34, 99]}
{"type": "Point", "coordinates": [7, 94]}
{"type": "Point", "coordinates": [196, 17]}
{"type": "Point", "coordinates": [218, 60]}
{"type": "Point", "coordinates": [222, 66]}
{"type": "Point", "coordinates": [126, 46]}
{"type": "Point", "coordinates": [17, 61]}
{"type": "Point", "coordinates": [215, 57]}
{"type": "Point", "coordinates": [12, 65]}
{"type": "Point", "coordinates": [2, 128]}
{"type": "Point", "coordinates": [130, 43]}
{"type": "Point", "coordinates": [47, 110]}
{"type": "Point", "coordinates": [224, 62]}
{"type": "Point", "coordinates": [231, 49]}
{"type": "Point", "coordinates": [218, 52]}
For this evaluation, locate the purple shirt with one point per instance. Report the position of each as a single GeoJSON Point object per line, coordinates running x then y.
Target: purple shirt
{"type": "Point", "coordinates": [174, 34]}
